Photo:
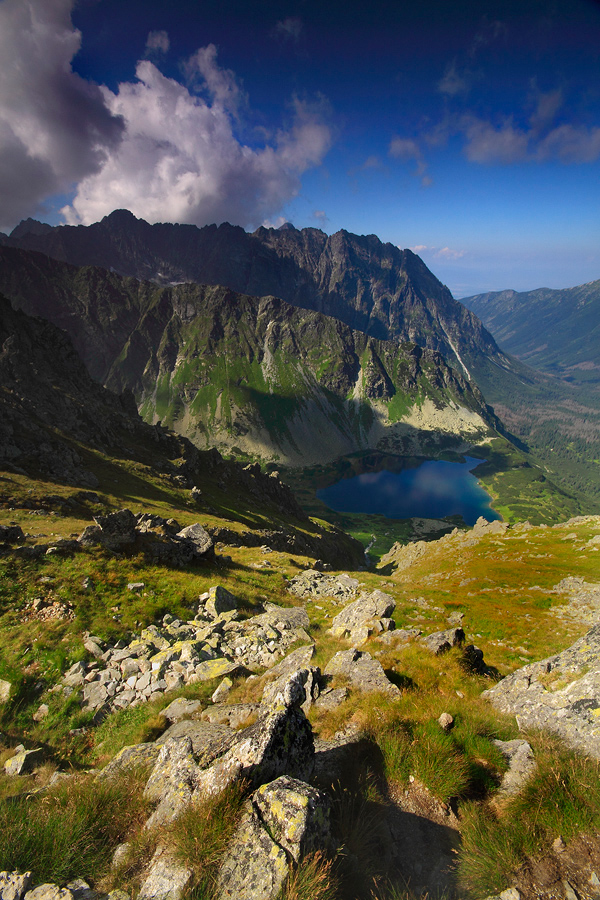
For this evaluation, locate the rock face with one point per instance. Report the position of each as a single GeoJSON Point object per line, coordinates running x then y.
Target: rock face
{"type": "Point", "coordinates": [368, 615]}
{"type": "Point", "coordinates": [182, 335]}
{"type": "Point", "coordinates": [363, 672]}
{"type": "Point", "coordinates": [372, 286]}
{"type": "Point", "coordinates": [285, 820]}
{"type": "Point", "coordinates": [538, 696]}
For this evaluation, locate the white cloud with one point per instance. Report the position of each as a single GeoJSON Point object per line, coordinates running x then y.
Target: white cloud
{"type": "Point", "coordinates": [54, 126]}
{"type": "Point", "coordinates": [446, 253]}
{"type": "Point", "coordinates": [157, 42]}
{"type": "Point", "coordinates": [180, 160]}
{"type": "Point", "coordinates": [407, 149]}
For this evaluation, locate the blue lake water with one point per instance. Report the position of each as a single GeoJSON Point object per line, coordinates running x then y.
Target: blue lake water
{"type": "Point", "coordinates": [433, 490]}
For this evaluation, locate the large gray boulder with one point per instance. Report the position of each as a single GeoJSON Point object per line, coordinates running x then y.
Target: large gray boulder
{"type": "Point", "coordinates": [363, 672]}
{"type": "Point", "coordinates": [280, 742]}
{"type": "Point", "coordinates": [370, 613]}
{"type": "Point", "coordinates": [167, 879]}
{"type": "Point", "coordinates": [560, 694]}
{"type": "Point", "coordinates": [285, 819]}
{"type": "Point", "coordinates": [312, 584]}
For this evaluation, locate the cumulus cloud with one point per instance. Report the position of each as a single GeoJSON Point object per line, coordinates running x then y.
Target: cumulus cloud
{"type": "Point", "coordinates": [157, 42]}
{"type": "Point", "coordinates": [407, 149]}
{"type": "Point", "coordinates": [181, 161]}
{"type": "Point", "coordinates": [165, 150]}
{"type": "Point", "coordinates": [204, 75]}
{"type": "Point", "coordinates": [54, 126]}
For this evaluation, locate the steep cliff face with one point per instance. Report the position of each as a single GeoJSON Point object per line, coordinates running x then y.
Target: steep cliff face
{"type": "Point", "coordinates": [255, 374]}
{"type": "Point", "coordinates": [371, 286]}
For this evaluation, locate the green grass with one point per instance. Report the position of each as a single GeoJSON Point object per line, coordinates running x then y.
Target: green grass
{"type": "Point", "coordinates": [70, 831]}
{"type": "Point", "coordinates": [562, 798]}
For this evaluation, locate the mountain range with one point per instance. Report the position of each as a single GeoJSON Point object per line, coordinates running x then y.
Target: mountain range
{"type": "Point", "coordinates": [557, 331]}
{"type": "Point", "coordinates": [276, 344]}
{"type": "Point", "coordinates": [254, 375]}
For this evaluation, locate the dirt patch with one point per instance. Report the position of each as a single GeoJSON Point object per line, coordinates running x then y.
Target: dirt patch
{"type": "Point", "coordinates": [572, 872]}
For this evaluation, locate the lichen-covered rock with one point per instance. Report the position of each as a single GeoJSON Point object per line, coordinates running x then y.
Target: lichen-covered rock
{"type": "Point", "coordinates": [22, 762]}
{"type": "Point", "coordinates": [132, 757]}
{"type": "Point", "coordinates": [280, 742]}
{"type": "Point", "coordinates": [166, 879]}
{"type": "Point", "coordinates": [366, 612]}
{"type": "Point", "coordinates": [295, 814]}
{"type": "Point", "coordinates": [255, 867]}
{"type": "Point", "coordinates": [560, 694]}
{"type": "Point", "coordinates": [442, 641]}
{"type": "Point", "coordinates": [219, 600]}
{"type": "Point", "coordinates": [5, 687]}
{"type": "Point", "coordinates": [13, 885]}
{"type": "Point", "coordinates": [364, 672]}
{"type": "Point", "coordinates": [209, 741]}
{"type": "Point", "coordinates": [172, 780]}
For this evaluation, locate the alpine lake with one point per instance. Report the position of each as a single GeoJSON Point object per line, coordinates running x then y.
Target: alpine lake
{"type": "Point", "coordinates": [380, 499]}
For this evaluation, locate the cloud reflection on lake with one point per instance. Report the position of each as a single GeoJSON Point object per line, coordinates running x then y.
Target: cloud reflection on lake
{"type": "Point", "coordinates": [433, 490]}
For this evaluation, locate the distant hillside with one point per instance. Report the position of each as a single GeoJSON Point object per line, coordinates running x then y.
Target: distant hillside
{"type": "Point", "coordinates": [249, 375]}
{"type": "Point", "coordinates": [557, 331]}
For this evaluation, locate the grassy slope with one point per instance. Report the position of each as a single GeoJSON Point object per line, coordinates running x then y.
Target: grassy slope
{"type": "Point", "coordinates": [503, 584]}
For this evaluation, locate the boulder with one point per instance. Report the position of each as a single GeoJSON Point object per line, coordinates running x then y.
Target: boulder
{"type": "Point", "coordinates": [166, 879]}
{"type": "Point", "coordinates": [295, 814]}
{"type": "Point", "coordinates": [11, 534]}
{"type": "Point", "coordinates": [219, 601]}
{"type": "Point", "coordinates": [13, 885]}
{"type": "Point", "coordinates": [441, 641]}
{"type": "Point", "coordinates": [367, 611]}
{"type": "Point", "coordinates": [5, 687]}
{"type": "Point", "coordinates": [180, 708]}
{"type": "Point", "coordinates": [23, 762]}
{"type": "Point", "coordinates": [172, 781]}
{"type": "Point", "coordinates": [49, 892]}
{"type": "Point", "coordinates": [198, 540]}
{"type": "Point", "coordinates": [560, 694]}
{"type": "Point", "coordinates": [363, 672]}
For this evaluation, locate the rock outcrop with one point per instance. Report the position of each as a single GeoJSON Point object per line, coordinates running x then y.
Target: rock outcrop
{"type": "Point", "coordinates": [559, 694]}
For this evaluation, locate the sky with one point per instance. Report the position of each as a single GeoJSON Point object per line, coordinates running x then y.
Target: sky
{"type": "Point", "coordinates": [466, 130]}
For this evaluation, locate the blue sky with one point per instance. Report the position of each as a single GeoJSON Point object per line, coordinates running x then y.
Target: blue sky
{"type": "Point", "coordinates": [468, 131]}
